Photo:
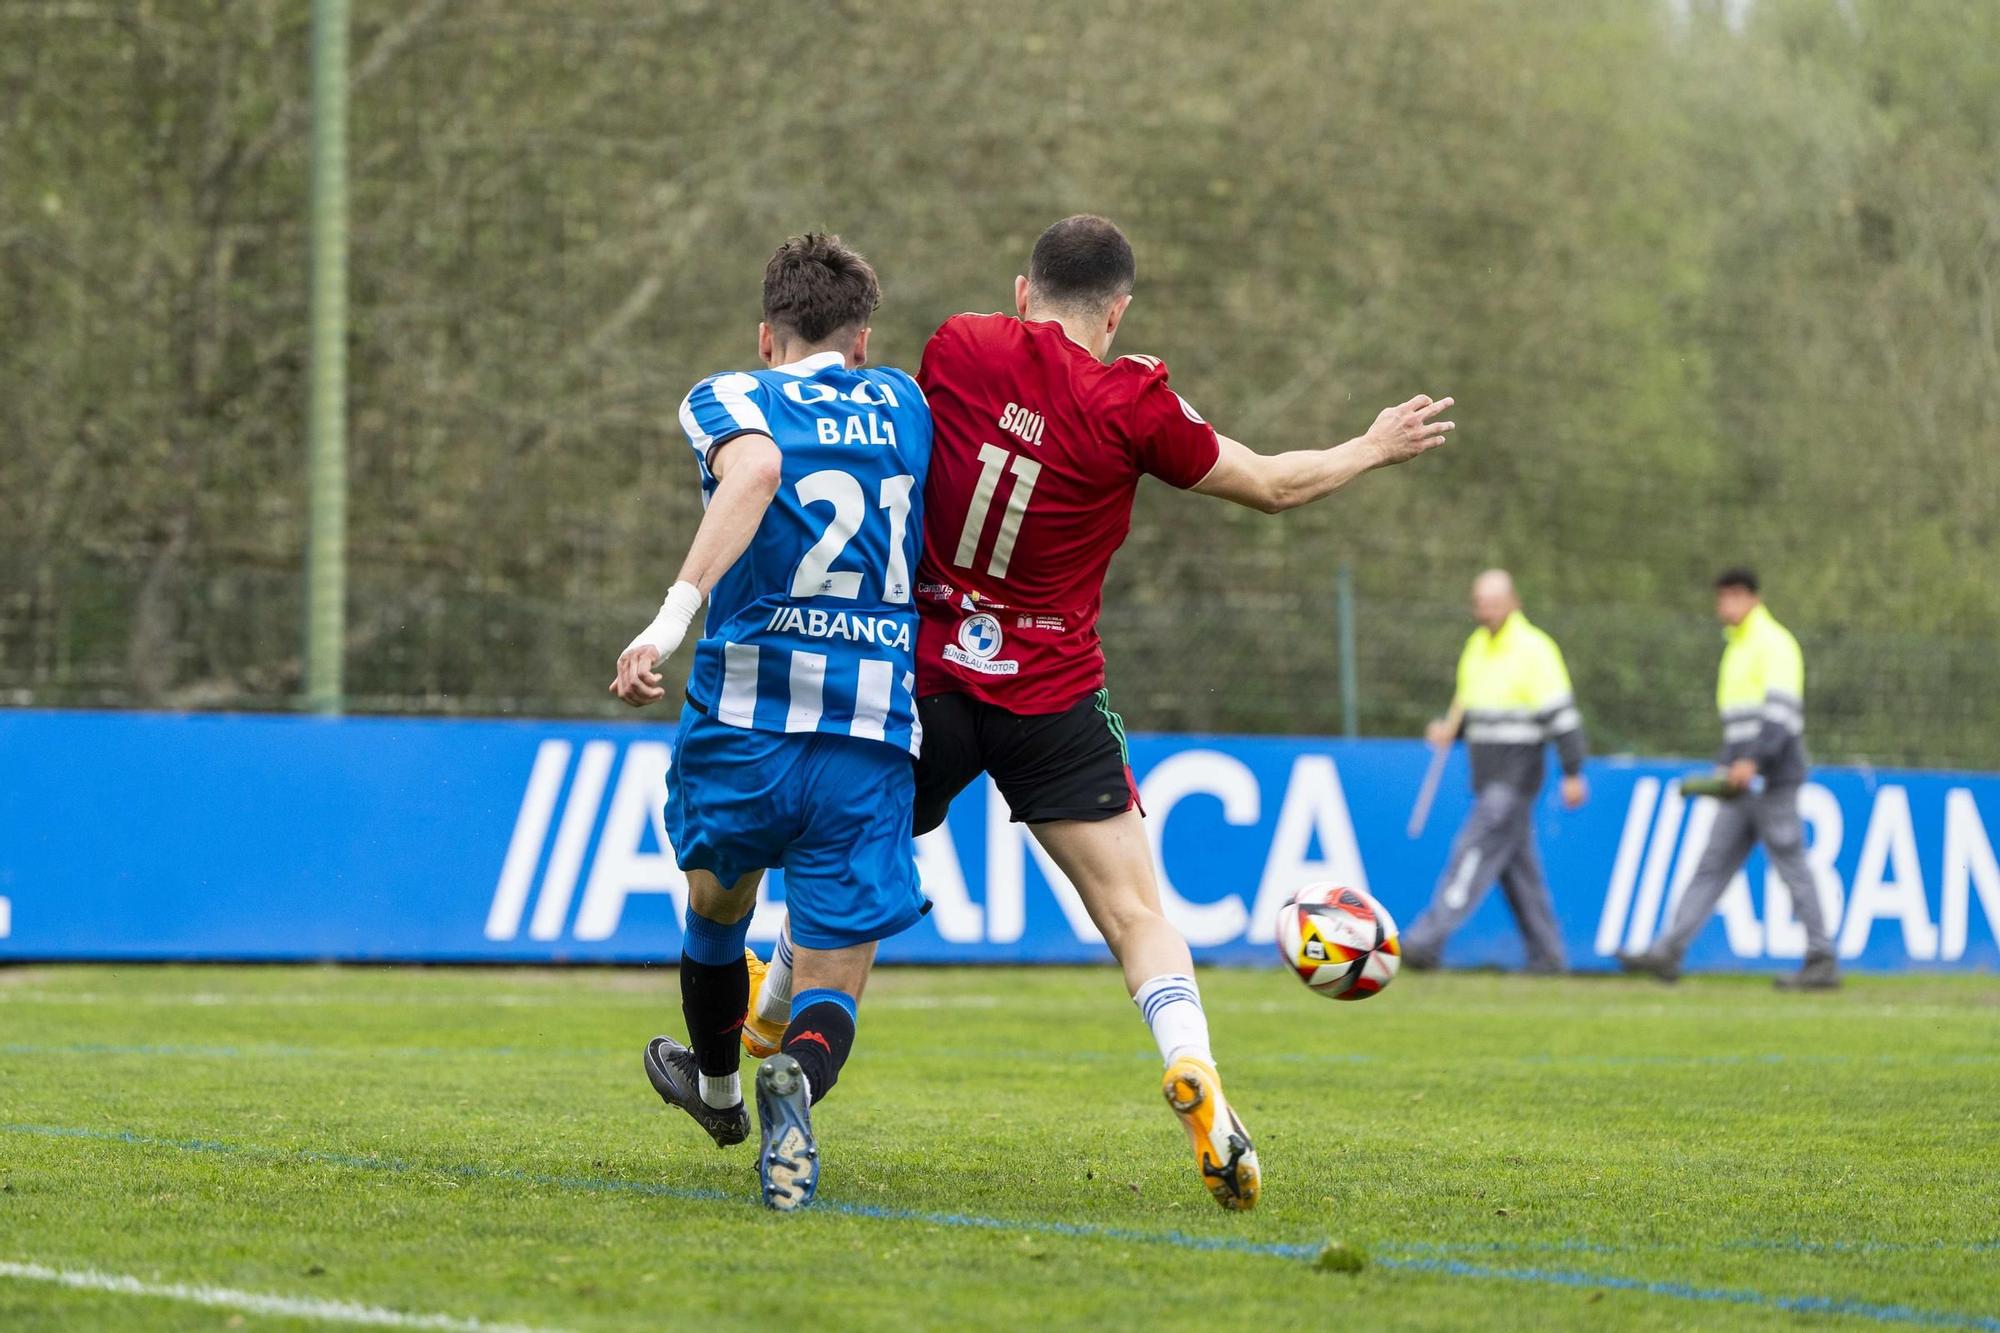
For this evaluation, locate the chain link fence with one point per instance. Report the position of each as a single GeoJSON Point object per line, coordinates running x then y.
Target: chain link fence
{"type": "Point", "coordinates": [560, 214]}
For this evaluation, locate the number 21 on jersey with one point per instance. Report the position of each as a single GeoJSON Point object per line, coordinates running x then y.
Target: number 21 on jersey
{"type": "Point", "coordinates": [993, 460]}
{"type": "Point", "coordinates": [815, 576]}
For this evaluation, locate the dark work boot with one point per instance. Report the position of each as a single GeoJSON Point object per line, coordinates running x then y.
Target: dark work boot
{"type": "Point", "coordinates": [1818, 974]}
{"type": "Point", "coordinates": [1652, 964]}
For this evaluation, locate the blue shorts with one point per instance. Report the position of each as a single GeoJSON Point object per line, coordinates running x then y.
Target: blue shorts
{"type": "Point", "coordinates": [832, 811]}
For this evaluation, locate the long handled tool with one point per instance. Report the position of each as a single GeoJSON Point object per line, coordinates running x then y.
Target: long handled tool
{"type": "Point", "coordinates": [1420, 814]}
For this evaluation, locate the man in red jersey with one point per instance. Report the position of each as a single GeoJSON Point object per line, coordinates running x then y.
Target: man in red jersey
{"type": "Point", "coordinates": [1039, 446]}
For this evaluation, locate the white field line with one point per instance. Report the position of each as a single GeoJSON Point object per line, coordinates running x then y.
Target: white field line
{"type": "Point", "coordinates": [250, 1302]}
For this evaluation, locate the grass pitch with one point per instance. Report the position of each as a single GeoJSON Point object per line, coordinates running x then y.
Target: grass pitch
{"type": "Point", "coordinates": [284, 1147]}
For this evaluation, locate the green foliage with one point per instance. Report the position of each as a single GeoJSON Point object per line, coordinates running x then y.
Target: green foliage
{"type": "Point", "coordinates": [1708, 291]}
{"type": "Point", "coordinates": [1509, 1151]}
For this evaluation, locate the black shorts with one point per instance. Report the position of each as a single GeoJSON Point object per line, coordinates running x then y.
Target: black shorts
{"type": "Point", "coordinates": [1049, 766]}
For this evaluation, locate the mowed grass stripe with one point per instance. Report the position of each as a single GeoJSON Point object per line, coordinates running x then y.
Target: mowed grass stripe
{"type": "Point", "coordinates": [1570, 1152]}
{"type": "Point", "coordinates": [277, 1051]}
{"type": "Point", "coordinates": [1678, 1291]}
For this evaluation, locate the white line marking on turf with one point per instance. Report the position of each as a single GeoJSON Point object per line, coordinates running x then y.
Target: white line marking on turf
{"type": "Point", "coordinates": [251, 1302]}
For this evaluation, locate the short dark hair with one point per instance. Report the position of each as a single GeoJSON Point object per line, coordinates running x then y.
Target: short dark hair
{"type": "Point", "coordinates": [1737, 576]}
{"type": "Point", "coordinates": [815, 286]}
{"type": "Point", "coordinates": [1082, 261]}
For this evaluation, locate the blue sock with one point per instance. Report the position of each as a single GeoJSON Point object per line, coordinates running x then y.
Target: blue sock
{"type": "Point", "coordinates": [715, 991]}
{"type": "Point", "coordinates": [711, 942]}
{"type": "Point", "coordinates": [820, 1036]}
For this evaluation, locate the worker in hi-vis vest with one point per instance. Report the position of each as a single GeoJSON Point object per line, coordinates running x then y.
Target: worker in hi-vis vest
{"type": "Point", "coordinates": [1513, 698]}
{"type": "Point", "coordinates": [1761, 693]}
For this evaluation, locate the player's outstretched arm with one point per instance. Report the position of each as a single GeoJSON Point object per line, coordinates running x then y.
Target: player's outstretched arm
{"type": "Point", "coordinates": [1277, 482]}
{"type": "Point", "coordinates": [747, 470]}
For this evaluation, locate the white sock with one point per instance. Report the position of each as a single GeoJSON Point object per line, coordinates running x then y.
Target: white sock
{"type": "Point", "coordinates": [774, 1001]}
{"type": "Point", "coordinates": [1171, 1006]}
{"type": "Point", "coordinates": [722, 1093]}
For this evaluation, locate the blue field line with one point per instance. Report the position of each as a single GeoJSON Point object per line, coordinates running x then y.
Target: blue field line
{"type": "Point", "coordinates": [1681, 1291]}
{"type": "Point", "coordinates": [1788, 1245]}
{"type": "Point", "coordinates": [1412, 1258]}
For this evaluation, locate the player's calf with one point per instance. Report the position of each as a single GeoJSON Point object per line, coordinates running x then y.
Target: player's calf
{"type": "Point", "coordinates": [700, 1078]}
{"type": "Point", "coordinates": [820, 1036]}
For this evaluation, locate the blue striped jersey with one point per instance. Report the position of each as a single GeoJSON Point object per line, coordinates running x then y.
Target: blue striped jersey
{"type": "Point", "coordinates": [814, 628]}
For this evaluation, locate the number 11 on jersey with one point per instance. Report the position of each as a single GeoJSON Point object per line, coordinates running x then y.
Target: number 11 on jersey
{"type": "Point", "coordinates": [992, 462]}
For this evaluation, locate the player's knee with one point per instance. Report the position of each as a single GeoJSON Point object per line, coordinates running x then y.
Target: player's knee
{"type": "Point", "coordinates": [1130, 916]}
{"type": "Point", "coordinates": [1785, 839]}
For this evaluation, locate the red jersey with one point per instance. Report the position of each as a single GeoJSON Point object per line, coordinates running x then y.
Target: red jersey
{"type": "Point", "coordinates": [1037, 450]}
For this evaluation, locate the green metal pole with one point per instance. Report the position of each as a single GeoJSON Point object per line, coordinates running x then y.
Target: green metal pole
{"type": "Point", "coordinates": [1350, 702]}
{"type": "Point", "coordinates": [326, 419]}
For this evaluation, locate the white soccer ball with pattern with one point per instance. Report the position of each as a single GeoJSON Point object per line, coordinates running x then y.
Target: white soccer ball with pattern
{"type": "Point", "coordinates": [1340, 941]}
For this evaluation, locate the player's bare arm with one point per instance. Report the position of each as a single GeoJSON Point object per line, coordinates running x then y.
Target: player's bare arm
{"type": "Point", "coordinates": [747, 470]}
{"type": "Point", "coordinates": [1273, 483]}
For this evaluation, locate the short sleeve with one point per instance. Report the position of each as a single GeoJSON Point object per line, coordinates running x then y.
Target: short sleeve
{"type": "Point", "coordinates": [719, 409]}
{"type": "Point", "coordinates": [940, 353]}
{"type": "Point", "coordinates": [1169, 439]}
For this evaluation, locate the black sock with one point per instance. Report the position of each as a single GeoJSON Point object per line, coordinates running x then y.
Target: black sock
{"type": "Point", "coordinates": [713, 998]}
{"type": "Point", "coordinates": [819, 1037]}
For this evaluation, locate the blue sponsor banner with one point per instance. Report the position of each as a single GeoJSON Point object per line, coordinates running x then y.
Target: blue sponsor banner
{"type": "Point", "coordinates": [164, 837]}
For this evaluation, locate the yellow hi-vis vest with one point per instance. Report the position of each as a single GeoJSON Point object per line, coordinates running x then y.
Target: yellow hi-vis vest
{"type": "Point", "coordinates": [1760, 691]}
{"type": "Point", "coordinates": [1516, 695]}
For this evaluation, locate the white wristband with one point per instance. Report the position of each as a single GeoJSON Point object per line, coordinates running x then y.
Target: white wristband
{"type": "Point", "coordinates": [670, 626]}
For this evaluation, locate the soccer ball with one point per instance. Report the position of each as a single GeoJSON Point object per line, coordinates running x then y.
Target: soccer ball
{"type": "Point", "coordinates": [1341, 942]}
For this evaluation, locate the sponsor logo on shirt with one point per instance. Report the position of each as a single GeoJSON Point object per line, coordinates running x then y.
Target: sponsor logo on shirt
{"type": "Point", "coordinates": [979, 639]}
{"type": "Point", "coordinates": [887, 631]}
{"type": "Point", "coordinates": [980, 635]}
{"type": "Point", "coordinates": [866, 392]}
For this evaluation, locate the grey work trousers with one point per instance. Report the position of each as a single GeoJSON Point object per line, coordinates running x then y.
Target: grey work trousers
{"type": "Point", "coordinates": [1772, 818]}
{"type": "Point", "coordinates": [1497, 841]}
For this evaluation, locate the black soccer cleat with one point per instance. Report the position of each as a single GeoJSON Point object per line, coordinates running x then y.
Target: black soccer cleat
{"type": "Point", "coordinates": [670, 1067]}
{"type": "Point", "coordinates": [788, 1156]}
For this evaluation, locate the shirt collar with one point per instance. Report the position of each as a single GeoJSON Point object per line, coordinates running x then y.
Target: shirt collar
{"type": "Point", "coordinates": [1514, 618]}
{"type": "Point", "coordinates": [812, 365]}
{"type": "Point", "coordinates": [1758, 615]}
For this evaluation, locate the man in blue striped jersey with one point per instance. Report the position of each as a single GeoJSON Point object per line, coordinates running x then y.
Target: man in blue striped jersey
{"type": "Point", "coordinates": [795, 746]}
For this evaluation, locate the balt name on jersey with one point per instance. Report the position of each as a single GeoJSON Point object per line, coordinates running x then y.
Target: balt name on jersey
{"type": "Point", "coordinates": [1040, 447]}
{"type": "Point", "coordinates": [813, 629]}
